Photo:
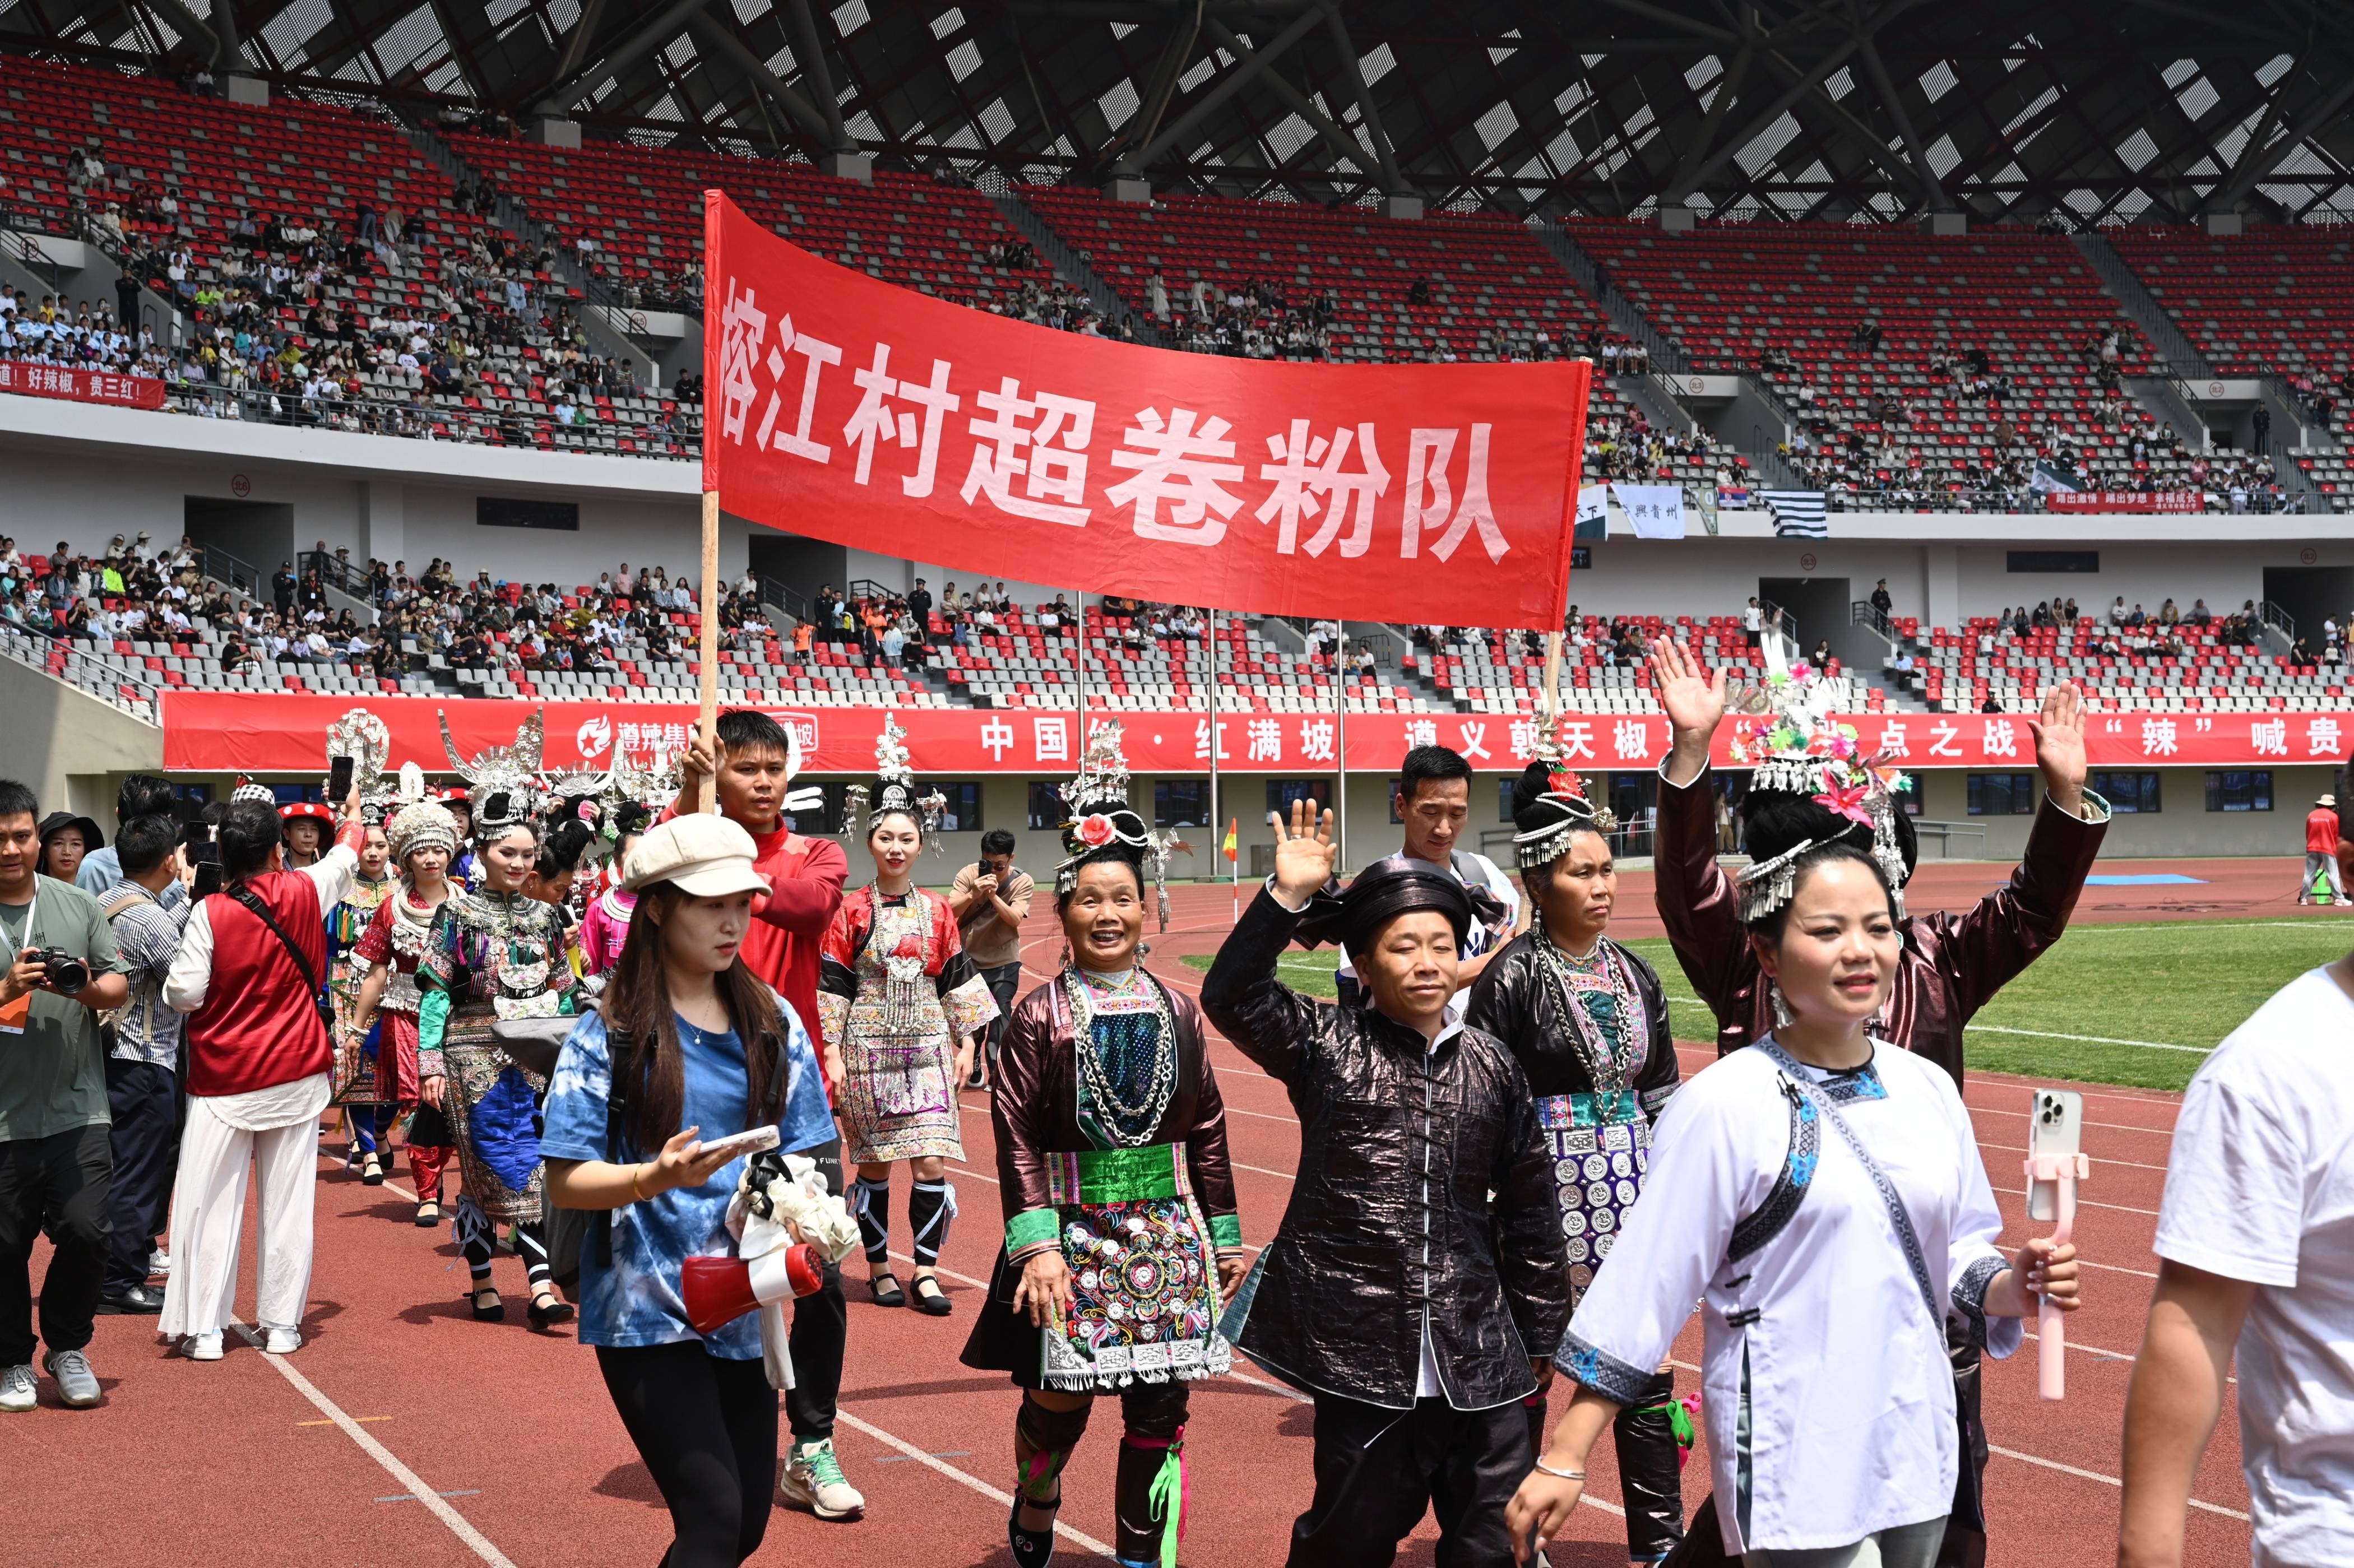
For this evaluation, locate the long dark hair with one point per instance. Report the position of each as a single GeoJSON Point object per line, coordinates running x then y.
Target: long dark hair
{"type": "Point", "coordinates": [637, 1002]}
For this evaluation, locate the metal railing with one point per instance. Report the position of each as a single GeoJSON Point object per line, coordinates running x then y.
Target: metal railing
{"type": "Point", "coordinates": [1863, 612]}
{"type": "Point", "coordinates": [220, 566]}
{"type": "Point", "coordinates": [2279, 620]}
{"type": "Point", "coordinates": [1946, 832]}
{"type": "Point", "coordinates": [32, 650]}
{"type": "Point", "coordinates": [417, 420]}
{"type": "Point", "coordinates": [343, 576]}
{"type": "Point", "coordinates": [775, 591]}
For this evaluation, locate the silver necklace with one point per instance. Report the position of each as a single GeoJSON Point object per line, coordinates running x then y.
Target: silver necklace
{"type": "Point", "coordinates": [1610, 1065]}
{"type": "Point", "coordinates": [1145, 1113]}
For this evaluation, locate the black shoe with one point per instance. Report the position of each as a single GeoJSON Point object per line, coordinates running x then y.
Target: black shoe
{"type": "Point", "coordinates": [886, 1291]}
{"type": "Point", "coordinates": [425, 1222]}
{"type": "Point", "coordinates": [371, 1169]}
{"type": "Point", "coordinates": [136, 1302]}
{"type": "Point", "coordinates": [978, 1081]}
{"type": "Point", "coordinates": [1032, 1548]}
{"type": "Point", "coordinates": [494, 1312]}
{"type": "Point", "coordinates": [547, 1311]}
{"type": "Point", "coordinates": [935, 1300]}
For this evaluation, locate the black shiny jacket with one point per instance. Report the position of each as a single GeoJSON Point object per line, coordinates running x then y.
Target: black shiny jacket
{"type": "Point", "coordinates": [1368, 1248]}
{"type": "Point", "coordinates": [1517, 1001]}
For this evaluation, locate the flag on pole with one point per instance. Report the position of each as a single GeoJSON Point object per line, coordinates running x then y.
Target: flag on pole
{"type": "Point", "coordinates": [1797, 513]}
{"type": "Point", "coordinates": [1231, 846]}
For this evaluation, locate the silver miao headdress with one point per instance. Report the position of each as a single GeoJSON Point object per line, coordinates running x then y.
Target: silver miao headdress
{"type": "Point", "coordinates": [1096, 814]}
{"type": "Point", "coordinates": [362, 736]}
{"type": "Point", "coordinates": [1789, 738]}
{"type": "Point", "coordinates": [504, 787]}
{"type": "Point", "coordinates": [1570, 809]}
{"type": "Point", "coordinates": [895, 785]}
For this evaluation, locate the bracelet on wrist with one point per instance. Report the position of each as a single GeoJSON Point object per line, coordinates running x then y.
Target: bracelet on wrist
{"type": "Point", "coordinates": [637, 1175]}
{"type": "Point", "coordinates": [1561, 1475]}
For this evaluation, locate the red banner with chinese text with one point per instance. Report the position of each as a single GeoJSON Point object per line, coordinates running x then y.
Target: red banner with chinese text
{"type": "Point", "coordinates": [846, 409]}
{"type": "Point", "coordinates": [221, 732]}
{"type": "Point", "coordinates": [2124, 500]}
{"type": "Point", "coordinates": [80, 385]}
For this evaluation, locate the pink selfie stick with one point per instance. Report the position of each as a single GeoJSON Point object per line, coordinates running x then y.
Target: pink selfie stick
{"type": "Point", "coordinates": [2064, 1171]}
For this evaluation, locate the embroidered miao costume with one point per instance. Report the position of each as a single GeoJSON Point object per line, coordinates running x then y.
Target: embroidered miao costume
{"type": "Point", "coordinates": [1592, 1034]}
{"type": "Point", "coordinates": [895, 995]}
{"type": "Point", "coordinates": [1111, 1149]}
{"type": "Point", "coordinates": [1826, 1288]}
{"type": "Point", "coordinates": [359, 1077]}
{"type": "Point", "coordinates": [491, 956]}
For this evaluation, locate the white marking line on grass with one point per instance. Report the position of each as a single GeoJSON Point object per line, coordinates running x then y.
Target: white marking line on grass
{"type": "Point", "coordinates": [2038, 1033]}
{"type": "Point", "coordinates": [2096, 1476]}
{"type": "Point", "coordinates": [476, 1541]}
{"type": "Point", "coordinates": [962, 1477]}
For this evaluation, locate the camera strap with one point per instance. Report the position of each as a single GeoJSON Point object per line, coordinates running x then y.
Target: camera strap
{"type": "Point", "coordinates": [17, 1014]}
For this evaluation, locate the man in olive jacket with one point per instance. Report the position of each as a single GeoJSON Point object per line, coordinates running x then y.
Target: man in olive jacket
{"type": "Point", "coordinates": [1398, 1293]}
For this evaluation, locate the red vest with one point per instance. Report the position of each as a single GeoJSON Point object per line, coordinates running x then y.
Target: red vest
{"type": "Point", "coordinates": [259, 1026]}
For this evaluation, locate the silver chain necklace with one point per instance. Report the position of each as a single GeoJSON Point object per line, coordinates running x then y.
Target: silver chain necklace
{"type": "Point", "coordinates": [1148, 1111]}
{"type": "Point", "coordinates": [1610, 1066]}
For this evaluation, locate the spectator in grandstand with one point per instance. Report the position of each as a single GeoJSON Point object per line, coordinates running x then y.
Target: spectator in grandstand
{"type": "Point", "coordinates": [55, 1163]}
{"type": "Point", "coordinates": [2252, 1277]}
{"type": "Point", "coordinates": [249, 969]}
{"type": "Point", "coordinates": [688, 1008]}
{"type": "Point", "coordinates": [754, 767]}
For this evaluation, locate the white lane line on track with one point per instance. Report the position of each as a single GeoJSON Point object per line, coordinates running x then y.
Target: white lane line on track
{"type": "Point", "coordinates": [962, 1477]}
{"type": "Point", "coordinates": [2105, 1480]}
{"type": "Point", "coordinates": [2038, 1033]}
{"type": "Point", "coordinates": [476, 1541]}
{"type": "Point", "coordinates": [2098, 1159]}
{"type": "Point", "coordinates": [2087, 1202]}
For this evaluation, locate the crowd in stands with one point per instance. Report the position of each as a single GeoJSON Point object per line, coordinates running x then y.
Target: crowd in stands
{"type": "Point", "coordinates": [77, 335]}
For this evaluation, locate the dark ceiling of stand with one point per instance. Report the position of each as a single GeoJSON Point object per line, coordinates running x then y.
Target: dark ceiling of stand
{"type": "Point", "coordinates": [1873, 110]}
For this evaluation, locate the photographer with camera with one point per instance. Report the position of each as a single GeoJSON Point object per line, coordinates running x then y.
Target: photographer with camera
{"type": "Point", "coordinates": [249, 974]}
{"type": "Point", "coordinates": [991, 899]}
{"type": "Point", "coordinates": [55, 1168]}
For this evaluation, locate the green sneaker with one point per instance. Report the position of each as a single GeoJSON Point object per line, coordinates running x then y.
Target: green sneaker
{"type": "Point", "coordinates": [813, 1481]}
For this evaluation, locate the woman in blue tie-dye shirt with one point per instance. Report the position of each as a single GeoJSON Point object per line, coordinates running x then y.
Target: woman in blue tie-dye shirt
{"type": "Point", "coordinates": [675, 1021]}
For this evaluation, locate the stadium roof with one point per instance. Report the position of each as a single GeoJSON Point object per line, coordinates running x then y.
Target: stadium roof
{"type": "Point", "coordinates": [2095, 110]}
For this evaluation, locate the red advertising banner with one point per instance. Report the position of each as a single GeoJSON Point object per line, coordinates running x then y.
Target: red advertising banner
{"type": "Point", "coordinates": [221, 732]}
{"type": "Point", "coordinates": [80, 385]}
{"type": "Point", "coordinates": [846, 409]}
{"type": "Point", "coordinates": [2123, 500]}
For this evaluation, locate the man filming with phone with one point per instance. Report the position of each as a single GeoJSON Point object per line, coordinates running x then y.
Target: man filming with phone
{"type": "Point", "coordinates": [991, 899]}
{"type": "Point", "coordinates": [56, 1170]}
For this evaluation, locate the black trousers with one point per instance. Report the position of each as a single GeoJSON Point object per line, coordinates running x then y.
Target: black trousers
{"type": "Point", "coordinates": [706, 1429]}
{"type": "Point", "coordinates": [145, 1149]}
{"type": "Point", "coordinates": [57, 1184]}
{"type": "Point", "coordinates": [1003, 980]}
{"type": "Point", "coordinates": [821, 1334]}
{"type": "Point", "coordinates": [1378, 1470]}
{"type": "Point", "coordinates": [1650, 1467]}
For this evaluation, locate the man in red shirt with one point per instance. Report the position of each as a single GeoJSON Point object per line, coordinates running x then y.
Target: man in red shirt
{"type": "Point", "coordinates": [756, 765]}
{"type": "Point", "coordinates": [2320, 852]}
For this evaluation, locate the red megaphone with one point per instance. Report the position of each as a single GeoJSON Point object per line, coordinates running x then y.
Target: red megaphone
{"type": "Point", "coordinates": [718, 1290]}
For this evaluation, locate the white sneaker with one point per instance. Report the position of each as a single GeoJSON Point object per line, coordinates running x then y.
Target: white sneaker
{"type": "Point", "coordinates": [282, 1341]}
{"type": "Point", "coordinates": [813, 1481]}
{"type": "Point", "coordinates": [159, 1263]}
{"type": "Point", "coordinates": [20, 1390]}
{"type": "Point", "coordinates": [203, 1347]}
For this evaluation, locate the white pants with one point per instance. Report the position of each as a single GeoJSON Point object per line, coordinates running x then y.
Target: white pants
{"type": "Point", "coordinates": [1906, 1546]}
{"type": "Point", "coordinates": [209, 1221]}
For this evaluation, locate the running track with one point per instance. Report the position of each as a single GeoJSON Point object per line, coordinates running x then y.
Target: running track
{"type": "Point", "coordinates": [405, 1433]}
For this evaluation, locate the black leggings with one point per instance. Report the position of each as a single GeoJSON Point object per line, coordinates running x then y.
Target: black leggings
{"type": "Point", "coordinates": [706, 1429]}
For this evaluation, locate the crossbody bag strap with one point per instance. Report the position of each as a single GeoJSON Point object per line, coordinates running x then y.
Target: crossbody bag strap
{"type": "Point", "coordinates": [251, 903]}
{"type": "Point", "coordinates": [1907, 1236]}
{"type": "Point", "coordinates": [617, 1104]}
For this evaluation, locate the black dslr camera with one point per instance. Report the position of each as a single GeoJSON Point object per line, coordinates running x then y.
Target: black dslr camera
{"type": "Point", "coordinates": [64, 973]}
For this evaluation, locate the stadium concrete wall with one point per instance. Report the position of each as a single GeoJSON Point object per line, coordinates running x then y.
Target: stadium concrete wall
{"type": "Point", "coordinates": [73, 748]}
{"type": "Point", "coordinates": [83, 472]}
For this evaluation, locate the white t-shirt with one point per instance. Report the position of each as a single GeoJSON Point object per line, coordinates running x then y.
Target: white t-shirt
{"type": "Point", "coordinates": [2260, 1187]}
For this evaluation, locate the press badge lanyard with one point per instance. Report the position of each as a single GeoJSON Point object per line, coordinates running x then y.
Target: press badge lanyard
{"type": "Point", "coordinates": [14, 1016]}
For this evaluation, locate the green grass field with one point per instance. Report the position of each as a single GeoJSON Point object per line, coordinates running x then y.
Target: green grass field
{"type": "Point", "coordinates": [2139, 1005]}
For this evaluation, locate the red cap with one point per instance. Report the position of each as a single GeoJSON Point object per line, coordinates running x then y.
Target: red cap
{"type": "Point", "coordinates": [311, 811]}
{"type": "Point", "coordinates": [453, 794]}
